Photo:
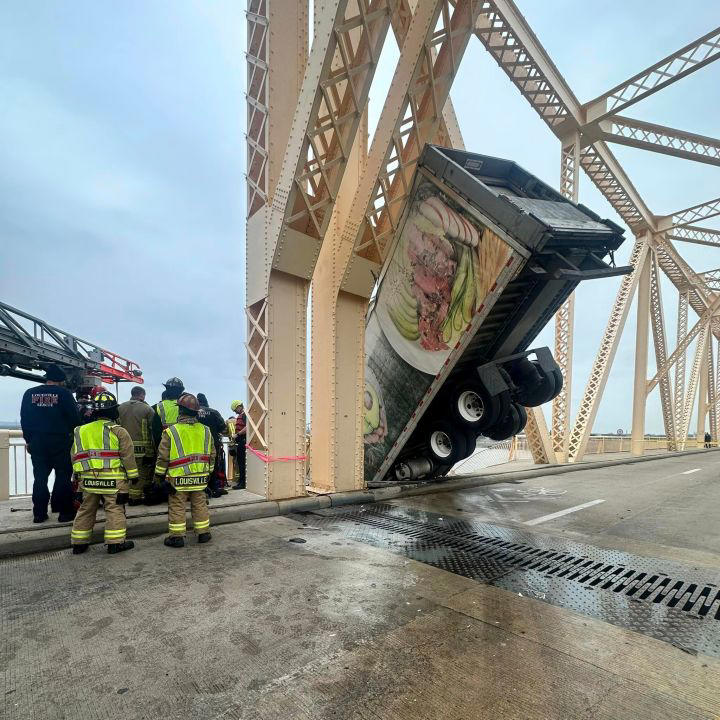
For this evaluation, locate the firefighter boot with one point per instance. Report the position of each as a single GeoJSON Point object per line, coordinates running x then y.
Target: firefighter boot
{"type": "Point", "coordinates": [176, 541]}
{"type": "Point", "coordinates": [79, 549]}
{"type": "Point", "coordinates": [120, 547]}
{"type": "Point", "coordinates": [204, 537]}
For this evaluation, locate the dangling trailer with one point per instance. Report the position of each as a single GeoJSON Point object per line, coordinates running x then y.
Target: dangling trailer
{"type": "Point", "coordinates": [484, 255]}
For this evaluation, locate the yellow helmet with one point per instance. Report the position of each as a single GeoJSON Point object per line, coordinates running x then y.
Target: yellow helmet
{"type": "Point", "coordinates": [235, 404]}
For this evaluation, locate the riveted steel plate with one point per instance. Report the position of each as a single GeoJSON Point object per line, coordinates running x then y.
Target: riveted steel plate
{"type": "Point", "coordinates": [676, 603]}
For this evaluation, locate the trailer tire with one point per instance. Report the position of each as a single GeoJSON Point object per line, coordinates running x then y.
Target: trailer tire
{"type": "Point", "coordinates": [446, 444]}
{"type": "Point", "coordinates": [558, 382]}
{"type": "Point", "coordinates": [542, 391]}
{"type": "Point", "coordinates": [522, 412]}
{"type": "Point", "coordinates": [471, 437]}
{"type": "Point", "coordinates": [473, 407]}
{"type": "Point", "coordinates": [510, 425]}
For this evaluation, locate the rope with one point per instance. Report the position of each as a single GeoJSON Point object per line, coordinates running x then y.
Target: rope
{"type": "Point", "coordinates": [270, 458]}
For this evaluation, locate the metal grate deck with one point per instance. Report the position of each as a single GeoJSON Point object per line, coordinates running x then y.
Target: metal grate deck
{"type": "Point", "coordinates": [671, 602]}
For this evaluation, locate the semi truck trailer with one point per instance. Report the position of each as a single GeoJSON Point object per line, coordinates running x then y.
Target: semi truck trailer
{"type": "Point", "coordinates": [483, 256]}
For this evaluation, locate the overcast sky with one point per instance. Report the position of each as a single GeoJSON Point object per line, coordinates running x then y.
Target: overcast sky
{"type": "Point", "coordinates": [122, 158]}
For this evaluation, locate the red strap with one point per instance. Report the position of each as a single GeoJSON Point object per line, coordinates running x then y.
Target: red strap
{"type": "Point", "coordinates": [270, 458]}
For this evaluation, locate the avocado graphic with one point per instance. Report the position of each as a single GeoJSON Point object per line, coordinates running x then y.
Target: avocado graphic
{"type": "Point", "coordinates": [371, 418]}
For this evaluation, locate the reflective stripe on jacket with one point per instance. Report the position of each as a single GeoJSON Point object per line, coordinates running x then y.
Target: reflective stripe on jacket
{"type": "Point", "coordinates": [186, 455]}
{"type": "Point", "coordinates": [99, 461]}
{"type": "Point", "coordinates": [167, 410]}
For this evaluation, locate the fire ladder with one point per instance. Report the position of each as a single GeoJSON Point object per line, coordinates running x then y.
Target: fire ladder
{"type": "Point", "coordinates": [28, 344]}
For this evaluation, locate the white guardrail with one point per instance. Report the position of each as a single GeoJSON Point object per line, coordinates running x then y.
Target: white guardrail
{"type": "Point", "coordinates": [16, 475]}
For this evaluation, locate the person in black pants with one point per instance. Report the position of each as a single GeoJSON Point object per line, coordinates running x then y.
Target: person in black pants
{"type": "Point", "coordinates": [48, 416]}
{"type": "Point", "coordinates": [214, 420]}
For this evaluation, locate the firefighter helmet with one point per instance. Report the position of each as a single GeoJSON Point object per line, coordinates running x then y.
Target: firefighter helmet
{"type": "Point", "coordinates": [174, 382]}
{"type": "Point", "coordinates": [189, 402]}
{"type": "Point", "coordinates": [104, 401]}
{"type": "Point", "coordinates": [235, 404]}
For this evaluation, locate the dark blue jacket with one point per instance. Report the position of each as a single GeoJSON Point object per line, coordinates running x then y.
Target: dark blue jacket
{"type": "Point", "coordinates": [48, 410]}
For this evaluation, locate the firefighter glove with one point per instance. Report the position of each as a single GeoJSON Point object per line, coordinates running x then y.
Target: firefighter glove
{"type": "Point", "coordinates": [122, 498]}
{"type": "Point", "coordinates": [170, 487]}
{"type": "Point", "coordinates": [78, 496]}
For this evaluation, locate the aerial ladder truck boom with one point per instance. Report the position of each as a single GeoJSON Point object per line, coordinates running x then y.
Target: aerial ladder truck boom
{"type": "Point", "coordinates": [29, 344]}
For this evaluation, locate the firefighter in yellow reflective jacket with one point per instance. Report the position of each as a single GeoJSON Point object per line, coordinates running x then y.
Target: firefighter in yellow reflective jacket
{"type": "Point", "coordinates": [103, 461]}
{"type": "Point", "coordinates": [136, 416]}
{"type": "Point", "coordinates": [186, 455]}
{"type": "Point", "coordinates": [166, 411]}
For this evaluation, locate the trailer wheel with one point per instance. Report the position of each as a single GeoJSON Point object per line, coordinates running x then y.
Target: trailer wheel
{"type": "Point", "coordinates": [522, 412]}
{"type": "Point", "coordinates": [540, 392]}
{"type": "Point", "coordinates": [525, 377]}
{"type": "Point", "coordinates": [446, 444]}
{"type": "Point", "coordinates": [473, 407]}
{"type": "Point", "coordinates": [510, 425]}
{"type": "Point", "coordinates": [471, 437]}
{"type": "Point", "coordinates": [558, 382]}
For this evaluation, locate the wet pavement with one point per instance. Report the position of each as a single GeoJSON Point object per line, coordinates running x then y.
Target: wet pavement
{"type": "Point", "coordinates": [276, 619]}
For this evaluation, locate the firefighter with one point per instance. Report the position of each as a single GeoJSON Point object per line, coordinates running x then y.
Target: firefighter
{"type": "Point", "coordinates": [48, 416]}
{"type": "Point", "coordinates": [240, 435]}
{"type": "Point", "coordinates": [166, 411]}
{"type": "Point", "coordinates": [136, 416]}
{"type": "Point", "coordinates": [186, 456]}
{"type": "Point", "coordinates": [103, 460]}
{"type": "Point", "coordinates": [214, 420]}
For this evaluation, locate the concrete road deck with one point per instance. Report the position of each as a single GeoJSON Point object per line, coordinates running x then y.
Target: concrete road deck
{"type": "Point", "coordinates": [256, 626]}
{"type": "Point", "coordinates": [16, 513]}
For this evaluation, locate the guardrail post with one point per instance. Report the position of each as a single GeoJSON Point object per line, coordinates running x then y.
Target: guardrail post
{"type": "Point", "coordinates": [4, 465]}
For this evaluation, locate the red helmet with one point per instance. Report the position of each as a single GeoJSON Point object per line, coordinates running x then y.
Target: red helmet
{"type": "Point", "coordinates": [189, 402]}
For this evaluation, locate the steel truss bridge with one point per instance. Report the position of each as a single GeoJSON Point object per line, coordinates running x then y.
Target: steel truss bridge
{"type": "Point", "coordinates": [322, 208]}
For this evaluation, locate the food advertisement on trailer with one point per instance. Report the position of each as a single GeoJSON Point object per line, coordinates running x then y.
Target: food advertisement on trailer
{"type": "Point", "coordinates": [440, 270]}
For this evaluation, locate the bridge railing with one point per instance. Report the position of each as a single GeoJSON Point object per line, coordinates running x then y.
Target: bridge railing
{"type": "Point", "coordinates": [516, 449]}
{"type": "Point", "coordinates": [16, 476]}
{"type": "Point", "coordinates": [15, 465]}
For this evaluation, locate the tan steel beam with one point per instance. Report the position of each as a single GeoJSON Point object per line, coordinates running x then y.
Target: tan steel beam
{"type": "Point", "coordinates": [696, 213]}
{"type": "Point", "coordinates": [682, 275]}
{"type": "Point", "coordinates": [702, 322]}
{"type": "Point", "coordinates": [695, 372]}
{"type": "Point", "coordinates": [637, 440]}
{"type": "Point", "coordinates": [703, 388]}
{"type": "Point", "coordinates": [697, 235]}
{"type": "Point", "coordinates": [682, 328]}
{"type": "Point", "coordinates": [656, 138]}
{"type": "Point", "coordinates": [670, 69]}
{"type": "Point", "coordinates": [711, 278]}
{"type": "Point", "coordinates": [342, 63]}
{"type": "Point", "coordinates": [410, 118]}
{"type": "Point", "coordinates": [506, 35]}
{"type": "Point", "coordinates": [538, 437]}
{"type": "Point", "coordinates": [275, 65]}
{"type": "Point", "coordinates": [660, 344]}
{"type": "Point", "coordinates": [564, 318]}
{"type": "Point", "coordinates": [449, 134]}
{"type": "Point", "coordinates": [603, 361]}
{"type": "Point", "coordinates": [276, 58]}
{"type": "Point", "coordinates": [341, 326]}
{"type": "Point", "coordinates": [713, 395]}
{"type": "Point", "coordinates": [337, 358]}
